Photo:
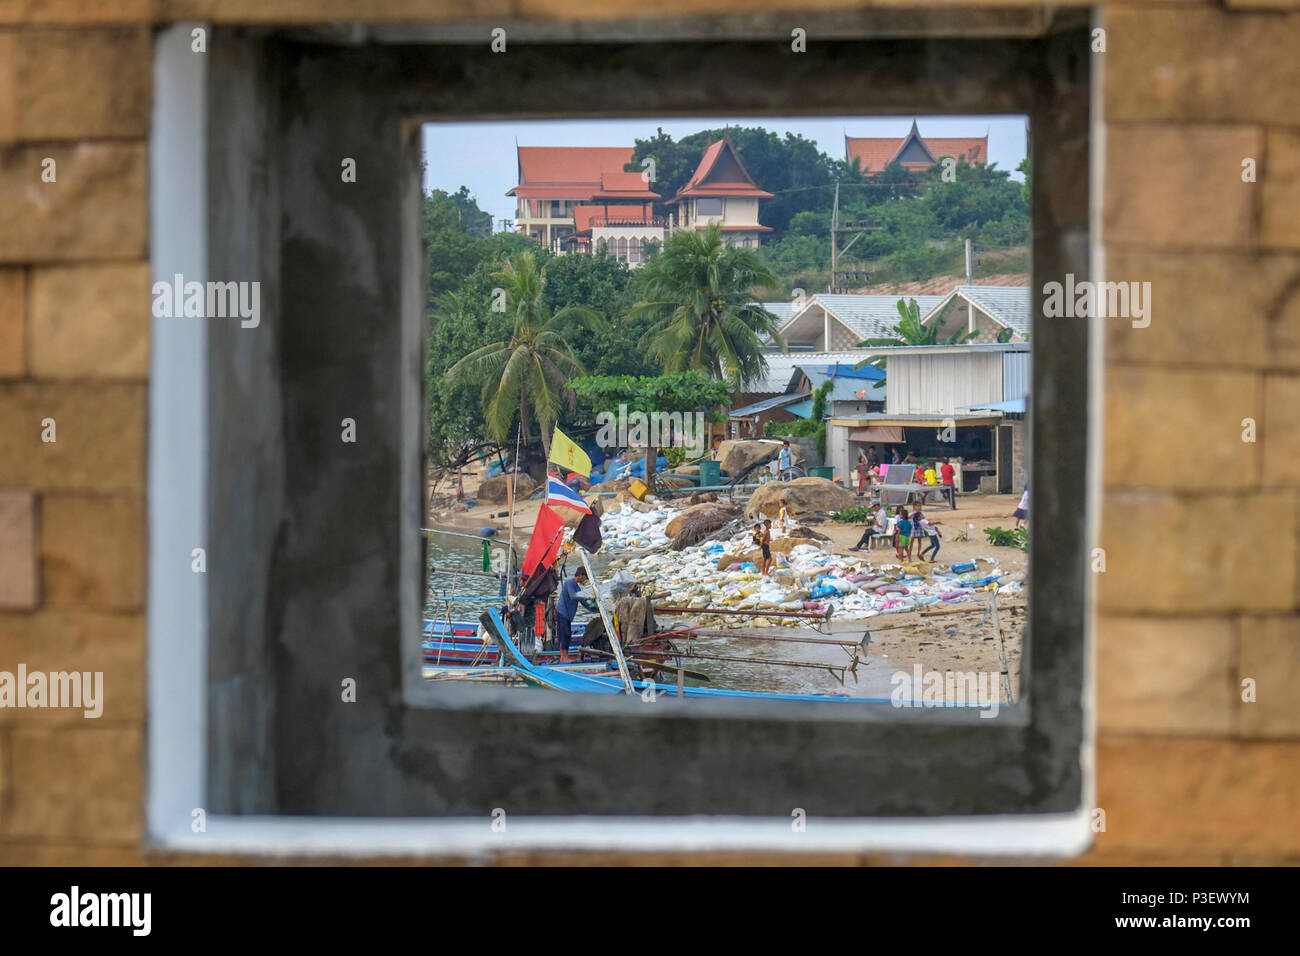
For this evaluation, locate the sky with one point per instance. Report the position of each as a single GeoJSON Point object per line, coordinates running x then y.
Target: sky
{"type": "Point", "coordinates": [481, 155]}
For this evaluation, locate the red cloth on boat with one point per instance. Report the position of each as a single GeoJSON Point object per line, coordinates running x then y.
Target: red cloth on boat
{"type": "Point", "coordinates": [548, 534]}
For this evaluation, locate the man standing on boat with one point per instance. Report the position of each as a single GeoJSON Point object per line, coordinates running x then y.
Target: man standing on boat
{"type": "Point", "coordinates": [566, 606]}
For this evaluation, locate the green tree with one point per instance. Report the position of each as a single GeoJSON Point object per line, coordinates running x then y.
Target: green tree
{"type": "Point", "coordinates": [683, 393]}
{"type": "Point", "coordinates": [527, 374]}
{"type": "Point", "coordinates": [910, 330]}
{"type": "Point", "coordinates": [699, 294]}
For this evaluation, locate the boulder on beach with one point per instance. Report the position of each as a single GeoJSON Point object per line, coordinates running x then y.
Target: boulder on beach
{"type": "Point", "coordinates": [803, 495]}
{"type": "Point", "coordinates": [494, 489]}
{"type": "Point", "coordinates": [738, 454]}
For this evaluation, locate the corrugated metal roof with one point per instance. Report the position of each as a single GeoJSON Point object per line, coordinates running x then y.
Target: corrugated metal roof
{"type": "Point", "coordinates": [781, 365]}
{"type": "Point", "coordinates": [1007, 304]}
{"type": "Point", "coordinates": [871, 316]}
{"type": "Point", "coordinates": [763, 405]}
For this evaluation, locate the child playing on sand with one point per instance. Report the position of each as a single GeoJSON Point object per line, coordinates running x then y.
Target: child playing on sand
{"type": "Point", "coordinates": [1022, 510]}
{"type": "Point", "coordinates": [916, 530]}
{"type": "Point", "coordinates": [931, 534]}
{"type": "Point", "coordinates": [783, 519]}
{"type": "Point", "coordinates": [902, 533]}
{"type": "Point", "coordinates": [766, 545]}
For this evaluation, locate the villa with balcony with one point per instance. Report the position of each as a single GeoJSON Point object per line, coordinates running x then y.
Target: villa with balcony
{"type": "Point", "coordinates": [580, 199]}
{"type": "Point", "coordinates": [574, 198]}
{"type": "Point", "coordinates": [722, 191]}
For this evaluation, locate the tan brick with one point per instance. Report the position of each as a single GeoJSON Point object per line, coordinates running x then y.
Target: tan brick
{"type": "Point", "coordinates": [1201, 65]}
{"type": "Point", "coordinates": [100, 432]}
{"type": "Point", "coordinates": [1279, 225]}
{"type": "Point", "coordinates": [1170, 428]}
{"type": "Point", "coordinates": [72, 640]}
{"type": "Point", "coordinates": [1280, 431]}
{"type": "Point", "coordinates": [1173, 675]}
{"type": "Point", "coordinates": [19, 587]}
{"type": "Point", "coordinates": [1284, 332]}
{"type": "Point", "coordinates": [1270, 655]}
{"type": "Point", "coordinates": [1190, 554]}
{"type": "Point", "coordinates": [91, 322]}
{"type": "Point", "coordinates": [1191, 293]}
{"type": "Point", "coordinates": [92, 551]}
{"type": "Point", "coordinates": [83, 783]}
{"type": "Point", "coordinates": [13, 323]}
{"type": "Point", "coordinates": [83, 84]}
{"type": "Point", "coordinates": [76, 12]}
{"type": "Point", "coordinates": [1163, 793]}
{"type": "Point", "coordinates": [96, 209]}
{"type": "Point", "coordinates": [8, 86]}
{"type": "Point", "coordinates": [1179, 185]}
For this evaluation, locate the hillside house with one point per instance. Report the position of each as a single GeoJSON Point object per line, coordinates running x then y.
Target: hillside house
{"type": "Point", "coordinates": [914, 152]}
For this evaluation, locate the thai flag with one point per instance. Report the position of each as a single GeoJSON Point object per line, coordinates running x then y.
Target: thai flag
{"type": "Point", "coordinates": [560, 495]}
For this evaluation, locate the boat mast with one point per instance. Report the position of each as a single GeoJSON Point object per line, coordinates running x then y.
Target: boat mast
{"type": "Point", "coordinates": [615, 643]}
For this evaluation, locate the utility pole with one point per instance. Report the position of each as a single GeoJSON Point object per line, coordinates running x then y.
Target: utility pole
{"type": "Point", "coordinates": [968, 260]}
{"type": "Point", "coordinates": [835, 225]}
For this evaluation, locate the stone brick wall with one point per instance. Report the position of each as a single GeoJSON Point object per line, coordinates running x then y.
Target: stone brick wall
{"type": "Point", "coordinates": [1201, 531]}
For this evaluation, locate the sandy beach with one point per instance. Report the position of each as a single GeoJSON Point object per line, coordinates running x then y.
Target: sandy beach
{"type": "Point", "coordinates": [951, 640]}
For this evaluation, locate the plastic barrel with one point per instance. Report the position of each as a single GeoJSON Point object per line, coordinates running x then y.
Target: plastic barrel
{"type": "Point", "coordinates": [822, 471]}
{"type": "Point", "coordinates": [710, 473]}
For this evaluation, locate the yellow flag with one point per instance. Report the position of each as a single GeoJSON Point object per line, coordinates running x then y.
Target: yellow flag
{"type": "Point", "coordinates": [566, 453]}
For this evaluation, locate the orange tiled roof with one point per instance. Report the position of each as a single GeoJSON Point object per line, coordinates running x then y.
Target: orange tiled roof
{"type": "Point", "coordinates": [697, 187]}
{"type": "Point", "coordinates": [620, 185]}
{"type": "Point", "coordinates": [875, 152]}
{"type": "Point", "coordinates": [568, 172]}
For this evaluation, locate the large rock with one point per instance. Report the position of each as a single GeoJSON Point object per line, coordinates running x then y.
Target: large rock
{"type": "Point", "coordinates": [494, 489]}
{"type": "Point", "coordinates": [737, 455]}
{"type": "Point", "coordinates": [802, 494]}
{"type": "Point", "coordinates": [717, 515]}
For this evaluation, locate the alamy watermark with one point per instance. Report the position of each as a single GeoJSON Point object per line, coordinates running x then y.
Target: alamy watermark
{"type": "Point", "coordinates": [946, 689]}
{"type": "Point", "coordinates": [82, 690]}
{"type": "Point", "coordinates": [208, 300]}
{"type": "Point", "coordinates": [652, 430]}
{"type": "Point", "coordinates": [1101, 300]}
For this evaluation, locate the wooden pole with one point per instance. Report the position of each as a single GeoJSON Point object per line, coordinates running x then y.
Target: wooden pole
{"type": "Point", "coordinates": [615, 643]}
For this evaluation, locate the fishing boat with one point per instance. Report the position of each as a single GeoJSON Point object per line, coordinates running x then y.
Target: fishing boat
{"type": "Point", "coordinates": [587, 683]}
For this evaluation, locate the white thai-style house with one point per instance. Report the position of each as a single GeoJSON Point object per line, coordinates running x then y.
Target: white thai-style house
{"type": "Point", "coordinates": [722, 191]}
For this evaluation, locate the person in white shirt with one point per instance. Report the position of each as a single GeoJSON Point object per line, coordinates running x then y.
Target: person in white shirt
{"type": "Point", "coordinates": [931, 534]}
{"type": "Point", "coordinates": [1022, 510]}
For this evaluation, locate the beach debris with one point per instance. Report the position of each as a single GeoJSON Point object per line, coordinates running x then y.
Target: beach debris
{"type": "Point", "coordinates": [723, 573]}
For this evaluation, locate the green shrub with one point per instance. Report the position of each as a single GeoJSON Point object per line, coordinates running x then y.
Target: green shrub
{"type": "Point", "coordinates": [855, 515]}
{"type": "Point", "coordinates": [1008, 538]}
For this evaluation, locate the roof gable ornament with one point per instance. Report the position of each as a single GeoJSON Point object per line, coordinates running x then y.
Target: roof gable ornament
{"type": "Point", "coordinates": [914, 149]}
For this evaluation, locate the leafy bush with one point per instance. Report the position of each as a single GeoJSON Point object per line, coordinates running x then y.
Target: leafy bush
{"type": "Point", "coordinates": [1008, 538]}
{"type": "Point", "coordinates": [855, 515]}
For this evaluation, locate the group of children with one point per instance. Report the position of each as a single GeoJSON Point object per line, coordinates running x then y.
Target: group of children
{"type": "Point", "coordinates": [909, 530]}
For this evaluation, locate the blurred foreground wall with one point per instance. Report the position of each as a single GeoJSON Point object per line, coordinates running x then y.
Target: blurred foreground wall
{"type": "Point", "coordinates": [1200, 529]}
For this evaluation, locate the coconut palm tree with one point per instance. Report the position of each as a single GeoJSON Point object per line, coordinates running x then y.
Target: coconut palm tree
{"type": "Point", "coordinates": [910, 330]}
{"type": "Point", "coordinates": [699, 294]}
{"type": "Point", "coordinates": [529, 373]}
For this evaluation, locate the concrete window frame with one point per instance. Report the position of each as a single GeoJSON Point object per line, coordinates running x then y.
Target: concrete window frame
{"type": "Point", "coordinates": [246, 722]}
